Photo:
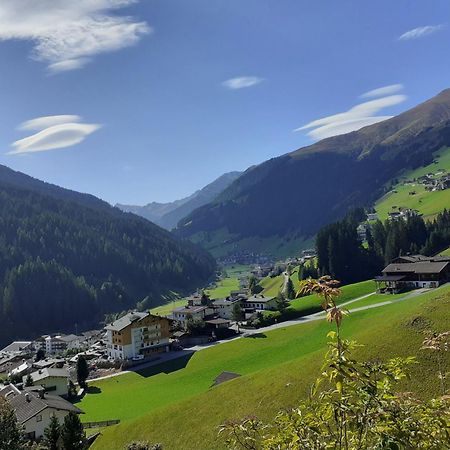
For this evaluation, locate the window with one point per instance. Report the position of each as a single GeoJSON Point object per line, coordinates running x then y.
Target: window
{"type": "Point", "coordinates": [39, 418]}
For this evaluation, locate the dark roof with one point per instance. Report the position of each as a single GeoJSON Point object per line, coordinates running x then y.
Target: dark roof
{"type": "Point", "coordinates": [217, 321]}
{"type": "Point", "coordinates": [27, 404]}
{"type": "Point", "coordinates": [417, 267]}
{"type": "Point", "coordinates": [225, 376]}
{"type": "Point", "coordinates": [390, 278]}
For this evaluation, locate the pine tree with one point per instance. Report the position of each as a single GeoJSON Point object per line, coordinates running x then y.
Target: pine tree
{"type": "Point", "coordinates": [289, 291]}
{"type": "Point", "coordinates": [10, 433]}
{"type": "Point", "coordinates": [52, 434]}
{"type": "Point", "coordinates": [282, 302]}
{"type": "Point", "coordinates": [72, 433]}
{"type": "Point", "coordinates": [29, 381]}
{"type": "Point", "coordinates": [82, 371]}
{"type": "Point", "coordinates": [238, 314]}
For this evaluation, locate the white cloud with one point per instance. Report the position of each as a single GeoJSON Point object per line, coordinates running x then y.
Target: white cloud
{"type": "Point", "coordinates": [382, 91]}
{"type": "Point", "coordinates": [41, 123]}
{"type": "Point", "coordinates": [56, 132]}
{"type": "Point", "coordinates": [67, 34]}
{"type": "Point", "coordinates": [419, 32]}
{"type": "Point", "coordinates": [359, 116]}
{"type": "Point", "coordinates": [242, 82]}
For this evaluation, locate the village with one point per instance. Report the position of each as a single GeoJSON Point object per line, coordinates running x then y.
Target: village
{"type": "Point", "coordinates": [41, 377]}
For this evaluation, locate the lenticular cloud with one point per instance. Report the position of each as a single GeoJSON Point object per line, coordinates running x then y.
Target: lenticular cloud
{"type": "Point", "coordinates": [54, 132]}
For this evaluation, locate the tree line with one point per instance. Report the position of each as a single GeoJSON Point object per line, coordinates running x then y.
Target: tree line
{"type": "Point", "coordinates": [341, 254]}
{"type": "Point", "coordinates": [63, 263]}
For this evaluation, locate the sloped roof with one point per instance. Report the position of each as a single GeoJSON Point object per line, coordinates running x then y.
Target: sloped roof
{"type": "Point", "coordinates": [27, 404]}
{"type": "Point", "coordinates": [417, 267]}
{"type": "Point", "coordinates": [16, 346]}
{"type": "Point", "coordinates": [126, 320]}
{"type": "Point", "coordinates": [49, 372]}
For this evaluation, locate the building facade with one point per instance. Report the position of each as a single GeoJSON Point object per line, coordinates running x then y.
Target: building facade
{"type": "Point", "coordinates": [137, 335]}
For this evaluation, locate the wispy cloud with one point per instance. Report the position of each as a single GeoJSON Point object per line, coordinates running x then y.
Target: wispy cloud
{"type": "Point", "coordinates": [242, 82]}
{"type": "Point", "coordinates": [419, 32]}
{"type": "Point", "coordinates": [382, 91]}
{"type": "Point", "coordinates": [55, 132]}
{"type": "Point", "coordinates": [359, 116]}
{"type": "Point", "coordinates": [68, 34]}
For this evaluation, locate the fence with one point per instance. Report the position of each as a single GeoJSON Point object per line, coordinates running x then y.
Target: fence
{"type": "Point", "coordinates": [104, 423]}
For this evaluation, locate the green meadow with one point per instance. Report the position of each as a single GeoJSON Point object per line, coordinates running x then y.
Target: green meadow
{"type": "Point", "coordinates": [179, 408]}
{"type": "Point", "coordinates": [428, 203]}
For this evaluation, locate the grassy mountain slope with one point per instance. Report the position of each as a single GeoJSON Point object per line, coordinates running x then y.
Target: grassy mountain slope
{"type": "Point", "coordinates": [68, 258]}
{"type": "Point", "coordinates": [295, 194]}
{"type": "Point", "coordinates": [427, 202]}
{"type": "Point", "coordinates": [167, 215]}
{"type": "Point", "coordinates": [183, 411]}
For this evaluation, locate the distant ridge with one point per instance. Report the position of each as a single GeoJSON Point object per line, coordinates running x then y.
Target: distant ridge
{"type": "Point", "coordinates": [167, 215]}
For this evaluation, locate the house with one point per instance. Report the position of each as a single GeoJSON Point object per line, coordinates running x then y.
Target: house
{"type": "Point", "coordinates": [372, 216]}
{"type": "Point", "coordinates": [361, 230]}
{"type": "Point", "coordinates": [260, 303]}
{"type": "Point", "coordinates": [224, 307]}
{"type": "Point", "coordinates": [74, 342]}
{"type": "Point", "coordinates": [21, 370]}
{"type": "Point", "coordinates": [55, 345]}
{"type": "Point", "coordinates": [137, 335]}
{"type": "Point", "coordinates": [183, 313]}
{"type": "Point", "coordinates": [414, 271]}
{"type": "Point", "coordinates": [18, 348]}
{"type": "Point", "coordinates": [52, 380]}
{"type": "Point", "coordinates": [34, 410]}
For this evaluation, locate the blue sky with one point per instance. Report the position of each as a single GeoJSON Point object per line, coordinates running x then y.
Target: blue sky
{"type": "Point", "coordinates": [160, 97]}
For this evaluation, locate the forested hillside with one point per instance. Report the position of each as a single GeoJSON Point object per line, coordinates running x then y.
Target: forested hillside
{"type": "Point", "coordinates": [298, 193]}
{"type": "Point", "coordinates": [68, 258]}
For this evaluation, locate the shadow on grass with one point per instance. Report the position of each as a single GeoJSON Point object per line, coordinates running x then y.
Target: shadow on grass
{"type": "Point", "coordinates": [256, 336]}
{"type": "Point", "coordinates": [93, 390]}
{"type": "Point", "coordinates": [166, 366]}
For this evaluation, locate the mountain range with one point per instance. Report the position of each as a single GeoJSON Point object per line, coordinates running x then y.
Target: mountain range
{"type": "Point", "coordinates": [167, 215]}
{"type": "Point", "coordinates": [68, 258]}
{"type": "Point", "coordinates": [289, 198]}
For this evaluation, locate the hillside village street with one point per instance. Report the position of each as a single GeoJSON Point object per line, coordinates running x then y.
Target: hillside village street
{"type": "Point", "coordinates": [312, 317]}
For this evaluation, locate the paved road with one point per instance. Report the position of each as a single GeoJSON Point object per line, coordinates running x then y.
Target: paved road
{"type": "Point", "coordinates": [312, 317]}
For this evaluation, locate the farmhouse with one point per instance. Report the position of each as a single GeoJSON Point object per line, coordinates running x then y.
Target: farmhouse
{"type": "Point", "coordinates": [52, 380]}
{"type": "Point", "coordinates": [260, 303]}
{"type": "Point", "coordinates": [34, 410]}
{"type": "Point", "coordinates": [136, 335]}
{"type": "Point", "coordinates": [224, 307]}
{"type": "Point", "coordinates": [415, 271]}
{"type": "Point", "coordinates": [183, 313]}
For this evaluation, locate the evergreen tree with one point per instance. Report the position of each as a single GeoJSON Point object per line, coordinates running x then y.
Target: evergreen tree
{"type": "Point", "coordinates": [72, 433]}
{"type": "Point", "coordinates": [52, 434]}
{"type": "Point", "coordinates": [10, 432]}
{"type": "Point", "coordinates": [82, 371]}
{"type": "Point", "coordinates": [253, 285]}
{"type": "Point", "coordinates": [238, 314]}
{"type": "Point", "coordinates": [29, 381]}
{"type": "Point", "coordinates": [282, 302]}
{"type": "Point", "coordinates": [289, 291]}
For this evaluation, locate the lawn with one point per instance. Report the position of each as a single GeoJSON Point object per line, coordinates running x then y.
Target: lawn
{"type": "Point", "coordinates": [428, 203]}
{"type": "Point", "coordinates": [224, 287]}
{"type": "Point", "coordinates": [445, 252]}
{"type": "Point", "coordinates": [180, 409]}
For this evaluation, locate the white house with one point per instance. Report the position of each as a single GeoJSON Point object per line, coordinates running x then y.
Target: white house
{"type": "Point", "coordinates": [34, 410]}
{"type": "Point", "coordinates": [260, 303]}
{"type": "Point", "coordinates": [224, 307]}
{"type": "Point", "coordinates": [54, 345]}
{"type": "Point", "coordinates": [183, 313]}
{"type": "Point", "coordinates": [52, 380]}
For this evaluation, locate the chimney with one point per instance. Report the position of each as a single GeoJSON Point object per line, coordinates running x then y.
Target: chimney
{"type": "Point", "coordinates": [27, 397]}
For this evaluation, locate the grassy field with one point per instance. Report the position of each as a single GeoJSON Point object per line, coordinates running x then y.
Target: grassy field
{"type": "Point", "coordinates": [180, 409]}
{"type": "Point", "coordinates": [428, 203]}
{"type": "Point", "coordinates": [446, 252]}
